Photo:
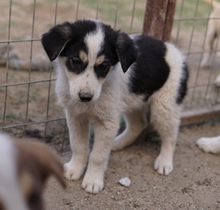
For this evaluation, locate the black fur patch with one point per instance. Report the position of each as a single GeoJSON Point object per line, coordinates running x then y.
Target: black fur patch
{"type": "Point", "coordinates": [118, 46]}
{"type": "Point", "coordinates": [66, 34]}
{"type": "Point", "coordinates": [79, 30]}
{"type": "Point", "coordinates": [150, 71]}
{"type": "Point", "coordinates": [183, 84]}
{"type": "Point", "coordinates": [54, 40]}
{"type": "Point", "coordinates": [126, 50]}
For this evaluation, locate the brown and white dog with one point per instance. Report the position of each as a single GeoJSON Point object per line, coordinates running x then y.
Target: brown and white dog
{"type": "Point", "coordinates": [24, 169]}
{"type": "Point", "coordinates": [212, 35]}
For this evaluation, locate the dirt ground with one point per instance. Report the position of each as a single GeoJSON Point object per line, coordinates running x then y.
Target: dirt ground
{"type": "Point", "coordinates": [194, 183]}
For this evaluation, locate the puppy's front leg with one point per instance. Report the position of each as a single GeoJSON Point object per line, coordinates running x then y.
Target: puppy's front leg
{"type": "Point", "coordinates": [78, 135]}
{"type": "Point", "coordinates": [105, 133]}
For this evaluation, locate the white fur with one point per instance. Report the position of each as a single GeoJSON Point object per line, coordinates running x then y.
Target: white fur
{"type": "Point", "coordinates": [217, 81]}
{"type": "Point", "coordinates": [111, 100]}
{"type": "Point", "coordinates": [213, 28]}
{"type": "Point", "coordinates": [209, 145]}
{"type": "Point", "coordinates": [10, 189]}
{"type": "Point", "coordinates": [165, 113]}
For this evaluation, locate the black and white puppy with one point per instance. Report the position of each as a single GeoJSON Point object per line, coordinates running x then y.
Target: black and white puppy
{"type": "Point", "coordinates": [103, 74]}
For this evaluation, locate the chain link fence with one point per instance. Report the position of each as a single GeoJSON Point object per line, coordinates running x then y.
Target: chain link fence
{"type": "Point", "coordinates": [28, 103]}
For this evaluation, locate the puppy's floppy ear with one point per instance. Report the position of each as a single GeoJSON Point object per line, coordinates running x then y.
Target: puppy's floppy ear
{"type": "Point", "coordinates": [55, 40]}
{"type": "Point", "coordinates": [126, 50]}
{"type": "Point", "coordinates": [43, 159]}
{"type": "Point", "coordinates": [50, 163]}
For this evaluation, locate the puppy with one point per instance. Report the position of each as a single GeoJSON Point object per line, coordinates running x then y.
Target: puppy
{"type": "Point", "coordinates": [212, 32]}
{"type": "Point", "coordinates": [103, 74]}
{"type": "Point", "coordinates": [24, 169]}
{"type": "Point", "coordinates": [209, 145]}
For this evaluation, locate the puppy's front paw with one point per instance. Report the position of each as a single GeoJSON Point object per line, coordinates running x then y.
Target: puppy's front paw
{"type": "Point", "coordinates": [93, 183]}
{"type": "Point", "coordinates": [163, 165]}
{"type": "Point", "coordinates": [72, 171]}
{"type": "Point", "coordinates": [209, 145]}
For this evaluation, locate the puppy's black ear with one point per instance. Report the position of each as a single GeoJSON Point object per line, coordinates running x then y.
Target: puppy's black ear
{"type": "Point", "coordinates": [55, 40]}
{"type": "Point", "coordinates": [126, 50]}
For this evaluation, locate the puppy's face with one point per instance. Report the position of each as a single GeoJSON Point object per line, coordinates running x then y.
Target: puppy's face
{"type": "Point", "coordinates": [86, 64]}
{"type": "Point", "coordinates": [87, 51]}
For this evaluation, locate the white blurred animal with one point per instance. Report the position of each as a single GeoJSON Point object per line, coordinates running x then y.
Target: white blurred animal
{"type": "Point", "coordinates": [212, 35]}
{"type": "Point", "coordinates": [24, 168]}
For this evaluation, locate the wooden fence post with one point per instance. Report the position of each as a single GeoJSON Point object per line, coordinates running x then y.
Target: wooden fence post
{"type": "Point", "coordinates": [158, 19]}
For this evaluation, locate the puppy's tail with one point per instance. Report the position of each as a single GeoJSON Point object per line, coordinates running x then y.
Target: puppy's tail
{"type": "Point", "coordinates": [211, 2]}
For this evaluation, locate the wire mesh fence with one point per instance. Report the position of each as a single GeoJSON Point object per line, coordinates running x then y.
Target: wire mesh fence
{"type": "Point", "coordinates": [28, 104]}
{"type": "Point", "coordinates": [191, 34]}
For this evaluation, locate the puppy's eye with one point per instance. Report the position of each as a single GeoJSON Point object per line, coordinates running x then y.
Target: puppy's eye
{"type": "Point", "coordinates": [75, 65]}
{"type": "Point", "coordinates": [75, 62]}
{"type": "Point", "coordinates": [102, 69]}
{"type": "Point", "coordinates": [103, 66]}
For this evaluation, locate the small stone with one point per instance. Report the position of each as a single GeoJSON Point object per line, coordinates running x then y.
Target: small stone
{"type": "Point", "coordinates": [66, 202]}
{"type": "Point", "coordinates": [125, 181]}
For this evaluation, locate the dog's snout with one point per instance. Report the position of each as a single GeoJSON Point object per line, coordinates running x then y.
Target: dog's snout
{"type": "Point", "coordinates": [85, 97]}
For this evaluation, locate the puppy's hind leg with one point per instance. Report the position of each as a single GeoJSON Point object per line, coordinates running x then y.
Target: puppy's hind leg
{"type": "Point", "coordinates": [136, 121]}
{"type": "Point", "coordinates": [165, 118]}
{"type": "Point", "coordinates": [78, 135]}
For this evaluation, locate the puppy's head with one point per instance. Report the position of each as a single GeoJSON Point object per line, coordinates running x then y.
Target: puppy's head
{"type": "Point", "coordinates": [24, 169]}
{"type": "Point", "coordinates": [87, 51]}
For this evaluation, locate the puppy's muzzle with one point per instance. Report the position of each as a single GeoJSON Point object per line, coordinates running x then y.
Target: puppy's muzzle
{"type": "Point", "coordinates": [85, 97]}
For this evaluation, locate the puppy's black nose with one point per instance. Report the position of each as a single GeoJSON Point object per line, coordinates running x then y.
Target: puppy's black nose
{"type": "Point", "coordinates": [85, 97]}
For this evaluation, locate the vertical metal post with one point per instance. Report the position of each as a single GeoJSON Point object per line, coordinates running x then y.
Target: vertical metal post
{"type": "Point", "coordinates": [158, 19]}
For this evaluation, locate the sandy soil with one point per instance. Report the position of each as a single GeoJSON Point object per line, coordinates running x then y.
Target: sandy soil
{"type": "Point", "coordinates": [194, 183]}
